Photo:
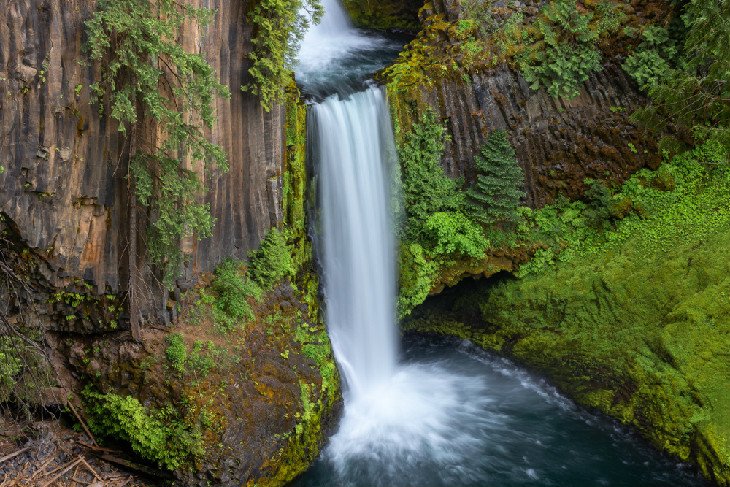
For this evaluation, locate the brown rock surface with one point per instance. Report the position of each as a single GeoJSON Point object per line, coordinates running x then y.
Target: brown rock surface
{"type": "Point", "coordinates": [558, 142]}
{"type": "Point", "coordinates": [64, 182]}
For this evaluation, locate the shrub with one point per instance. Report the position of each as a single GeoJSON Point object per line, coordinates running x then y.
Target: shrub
{"type": "Point", "coordinates": [694, 94]}
{"type": "Point", "coordinates": [272, 261]}
{"type": "Point", "coordinates": [156, 435]}
{"type": "Point", "coordinates": [452, 233]}
{"type": "Point", "coordinates": [649, 64]}
{"type": "Point", "coordinates": [202, 358]}
{"type": "Point", "coordinates": [426, 187]}
{"type": "Point", "coordinates": [176, 352]}
{"type": "Point", "coordinates": [599, 201]}
{"type": "Point", "coordinates": [10, 367]}
{"type": "Point", "coordinates": [565, 52]}
{"type": "Point", "coordinates": [417, 272]}
{"type": "Point", "coordinates": [495, 196]}
{"type": "Point", "coordinates": [232, 290]}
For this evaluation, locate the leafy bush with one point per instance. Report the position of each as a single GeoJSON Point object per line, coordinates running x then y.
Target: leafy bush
{"type": "Point", "coordinates": [426, 187]}
{"type": "Point", "coordinates": [137, 42]}
{"type": "Point", "coordinates": [10, 367]}
{"type": "Point", "coordinates": [599, 200]}
{"type": "Point", "coordinates": [565, 52]}
{"type": "Point", "coordinates": [279, 26]}
{"type": "Point", "coordinates": [452, 233]}
{"type": "Point", "coordinates": [495, 196]}
{"type": "Point", "coordinates": [199, 361]}
{"type": "Point", "coordinates": [176, 352]}
{"type": "Point", "coordinates": [649, 64]}
{"type": "Point", "coordinates": [156, 435]}
{"type": "Point", "coordinates": [272, 261]}
{"type": "Point", "coordinates": [417, 272]}
{"type": "Point", "coordinates": [203, 358]}
{"type": "Point", "coordinates": [232, 290]}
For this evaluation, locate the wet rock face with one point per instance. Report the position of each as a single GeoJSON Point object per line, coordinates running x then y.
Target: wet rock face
{"type": "Point", "coordinates": [559, 143]}
{"type": "Point", "coordinates": [64, 179]}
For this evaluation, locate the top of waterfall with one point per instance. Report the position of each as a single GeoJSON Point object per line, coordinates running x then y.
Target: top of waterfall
{"type": "Point", "coordinates": [335, 57]}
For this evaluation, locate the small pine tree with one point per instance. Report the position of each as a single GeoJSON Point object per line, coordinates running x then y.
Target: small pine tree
{"type": "Point", "coordinates": [495, 196]}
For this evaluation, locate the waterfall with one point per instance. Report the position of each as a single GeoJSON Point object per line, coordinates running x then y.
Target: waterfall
{"type": "Point", "coordinates": [353, 145]}
{"type": "Point", "coordinates": [401, 414]}
{"type": "Point", "coordinates": [329, 40]}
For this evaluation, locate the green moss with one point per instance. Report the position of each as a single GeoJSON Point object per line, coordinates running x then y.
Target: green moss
{"type": "Point", "coordinates": [384, 15]}
{"type": "Point", "coordinates": [633, 321]}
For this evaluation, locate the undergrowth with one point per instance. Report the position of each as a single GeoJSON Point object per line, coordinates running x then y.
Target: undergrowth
{"type": "Point", "coordinates": [155, 434]}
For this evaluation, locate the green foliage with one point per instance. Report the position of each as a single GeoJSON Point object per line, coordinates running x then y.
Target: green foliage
{"type": "Point", "coordinates": [452, 233]}
{"type": "Point", "coordinates": [176, 352]}
{"type": "Point", "coordinates": [232, 290]}
{"type": "Point", "coordinates": [633, 320]}
{"type": "Point", "coordinates": [565, 51]}
{"type": "Point", "coordinates": [480, 12]}
{"type": "Point", "coordinates": [426, 188]}
{"type": "Point", "coordinates": [599, 199]}
{"type": "Point", "coordinates": [436, 230]}
{"type": "Point", "coordinates": [272, 261]}
{"type": "Point", "coordinates": [495, 196]}
{"type": "Point", "coordinates": [199, 361]}
{"type": "Point", "coordinates": [390, 15]}
{"type": "Point", "coordinates": [155, 434]}
{"type": "Point", "coordinates": [572, 229]}
{"type": "Point", "coordinates": [649, 64]}
{"type": "Point", "coordinates": [278, 28]}
{"type": "Point", "coordinates": [148, 75]}
{"type": "Point", "coordinates": [203, 357]}
{"type": "Point", "coordinates": [694, 95]}
{"type": "Point", "coordinates": [10, 367]}
{"type": "Point", "coordinates": [417, 273]}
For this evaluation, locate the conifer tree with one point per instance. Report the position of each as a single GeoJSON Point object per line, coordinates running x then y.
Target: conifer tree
{"type": "Point", "coordinates": [495, 196]}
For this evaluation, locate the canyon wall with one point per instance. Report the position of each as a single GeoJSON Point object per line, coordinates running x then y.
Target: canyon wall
{"type": "Point", "coordinates": [64, 184]}
{"type": "Point", "coordinates": [559, 143]}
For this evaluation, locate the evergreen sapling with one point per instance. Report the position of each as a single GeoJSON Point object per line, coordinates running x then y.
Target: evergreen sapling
{"type": "Point", "coordinates": [495, 196]}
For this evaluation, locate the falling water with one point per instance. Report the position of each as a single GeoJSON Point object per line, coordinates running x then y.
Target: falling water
{"type": "Point", "coordinates": [401, 415]}
{"type": "Point", "coordinates": [353, 144]}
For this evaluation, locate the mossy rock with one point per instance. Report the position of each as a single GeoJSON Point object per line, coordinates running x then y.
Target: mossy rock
{"type": "Point", "coordinates": [638, 328]}
{"type": "Point", "coordinates": [384, 15]}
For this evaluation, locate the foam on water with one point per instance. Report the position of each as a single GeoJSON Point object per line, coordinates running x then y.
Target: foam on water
{"type": "Point", "coordinates": [329, 40]}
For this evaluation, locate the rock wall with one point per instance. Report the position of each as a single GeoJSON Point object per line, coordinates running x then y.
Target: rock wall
{"type": "Point", "coordinates": [64, 181]}
{"type": "Point", "coordinates": [558, 142]}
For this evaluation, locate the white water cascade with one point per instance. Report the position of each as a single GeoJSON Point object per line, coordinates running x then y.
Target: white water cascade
{"type": "Point", "coordinates": [402, 415]}
{"type": "Point", "coordinates": [353, 142]}
{"type": "Point", "coordinates": [331, 39]}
